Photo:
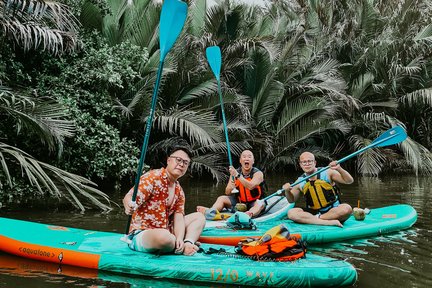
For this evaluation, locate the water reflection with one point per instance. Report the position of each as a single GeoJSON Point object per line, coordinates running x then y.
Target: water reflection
{"type": "Point", "coordinates": [44, 274]}
{"type": "Point", "coordinates": [396, 260]}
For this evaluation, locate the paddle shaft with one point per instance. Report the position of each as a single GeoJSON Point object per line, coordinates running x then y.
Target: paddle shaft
{"type": "Point", "coordinates": [224, 123]}
{"type": "Point", "coordinates": [146, 138]}
{"type": "Point", "coordinates": [372, 145]}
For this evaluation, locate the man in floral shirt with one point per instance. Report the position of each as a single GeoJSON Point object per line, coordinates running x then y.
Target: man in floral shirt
{"type": "Point", "coordinates": [158, 221]}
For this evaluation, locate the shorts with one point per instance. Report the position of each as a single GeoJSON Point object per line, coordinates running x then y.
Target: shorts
{"type": "Point", "coordinates": [137, 240]}
{"type": "Point", "coordinates": [321, 211]}
{"type": "Point", "coordinates": [234, 201]}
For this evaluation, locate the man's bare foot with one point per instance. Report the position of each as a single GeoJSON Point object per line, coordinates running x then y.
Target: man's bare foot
{"type": "Point", "coordinates": [190, 249]}
{"type": "Point", "coordinates": [333, 223]}
{"type": "Point", "coordinates": [201, 209]}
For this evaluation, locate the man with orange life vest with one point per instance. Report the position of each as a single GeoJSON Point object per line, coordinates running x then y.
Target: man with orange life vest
{"type": "Point", "coordinates": [322, 199]}
{"type": "Point", "coordinates": [249, 181]}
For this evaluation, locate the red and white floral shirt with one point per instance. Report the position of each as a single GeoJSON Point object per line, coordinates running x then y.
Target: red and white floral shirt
{"type": "Point", "coordinates": [152, 200]}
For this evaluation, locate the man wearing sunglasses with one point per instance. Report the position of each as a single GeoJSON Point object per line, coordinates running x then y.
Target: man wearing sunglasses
{"type": "Point", "coordinates": [158, 222]}
{"type": "Point", "coordinates": [320, 193]}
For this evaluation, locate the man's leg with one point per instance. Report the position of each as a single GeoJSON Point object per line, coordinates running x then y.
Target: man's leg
{"type": "Point", "coordinates": [154, 241]}
{"type": "Point", "coordinates": [300, 216]}
{"type": "Point", "coordinates": [221, 203]}
{"type": "Point", "coordinates": [256, 208]}
{"type": "Point", "coordinates": [341, 213]}
{"type": "Point", "coordinates": [194, 223]}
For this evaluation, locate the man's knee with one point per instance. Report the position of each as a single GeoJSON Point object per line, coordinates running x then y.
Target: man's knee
{"type": "Point", "coordinates": [162, 240]}
{"type": "Point", "coordinates": [346, 209]}
{"type": "Point", "coordinates": [223, 199]}
{"type": "Point", "coordinates": [293, 213]}
{"type": "Point", "coordinates": [197, 217]}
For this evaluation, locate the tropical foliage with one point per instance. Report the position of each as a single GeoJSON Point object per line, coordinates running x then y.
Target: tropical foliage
{"type": "Point", "coordinates": [30, 119]}
{"type": "Point", "coordinates": [324, 76]}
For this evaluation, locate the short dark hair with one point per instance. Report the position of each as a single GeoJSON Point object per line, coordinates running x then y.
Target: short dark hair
{"type": "Point", "coordinates": [183, 148]}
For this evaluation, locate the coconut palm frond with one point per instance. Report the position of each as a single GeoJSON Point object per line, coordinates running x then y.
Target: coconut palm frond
{"type": "Point", "coordinates": [74, 199]}
{"type": "Point", "coordinates": [267, 98]}
{"type": "Point", "coordinates": [221, 148]}
{"type": "Point", "coordinates": [370, 20]}
{"type": "Point", "coordinates": [291, 156]}
{"type": "Point", "coordinates": [263, 87]}
{"type": "Point", "coordinates": [425, 34]}
{"type": "Point", "coordinates": [91, 16]}
{"type": "Point", "coordinates": [197, 16]}
{"type": "Point", "coordinates": [374, 118]}
{"type": "Point", "coordinates": [202, 90]}
{"type": "Point", "coordinates": [46, 177]}
{"type": "Point", "coordinates": [422, 97]}
{"type": "Point", "coordinates": [392, 104]}
{"type": "Point", "coordinates": [42, 116]}
{"type": "Point", "coordinates": [142, 23]}
{"type": "Point", "coordinates": [294, 111]}
{"type": "Point", "coordinates": [214, 164]}
{"type": "Point", "coordinates": [88, 193]}
{"type": "Point", "coordinates": [237, 127]}
{"type": "Point", "coordinates": [34, 24]}
{"type": "Point", "coordinates": [412, 154]}
{"type": "Point", "coordinates": [426, 154]}
{"type": "Point", "coordinates": [198, 127]}
{"type": "Point", "coordinates": [360, 86]}
{"type": "Point", "coordinates": [369, 162]}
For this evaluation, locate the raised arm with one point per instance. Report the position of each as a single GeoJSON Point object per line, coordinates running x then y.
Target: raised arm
{"type": "Point", "coordinates": [257, 179]}
{"type": "Point", "coordinates": [338, 174]}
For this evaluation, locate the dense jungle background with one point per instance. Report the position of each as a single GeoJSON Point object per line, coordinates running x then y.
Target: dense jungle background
{"type": "Point", "coordinates": [76, 81]}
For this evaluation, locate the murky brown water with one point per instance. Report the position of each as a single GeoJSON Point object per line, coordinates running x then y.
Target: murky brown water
{"type": "Point", "coordinates": [397, 260]}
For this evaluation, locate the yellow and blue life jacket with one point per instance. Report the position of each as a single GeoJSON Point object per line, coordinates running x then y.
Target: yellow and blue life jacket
{"type": "Point", "coordinates": [319, 193]}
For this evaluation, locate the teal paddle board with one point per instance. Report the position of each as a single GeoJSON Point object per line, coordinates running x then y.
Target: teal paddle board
{"type": "Point", "coordinates": [378, 222]}
{"type": "Point", "coordinates": [276, 209]}
{"type": "Point", "coordinates": [106, 252]}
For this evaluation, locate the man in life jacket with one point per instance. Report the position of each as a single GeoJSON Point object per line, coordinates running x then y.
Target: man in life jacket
{"type": "Point", "coordinates": [248, 181]}
{"type": "Point", "coordinates": [321, 195]}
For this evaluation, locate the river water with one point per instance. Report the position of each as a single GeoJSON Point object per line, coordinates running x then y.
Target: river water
{"type": "Point", "coordinates": [398, 260]}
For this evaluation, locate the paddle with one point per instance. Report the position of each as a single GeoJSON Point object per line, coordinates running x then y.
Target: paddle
{"type": "Point", "coordinates": [173, 16]}
{"type": "Point", "coordinates": [392, 136]}
{"type": "Point", "coordinates": [214, 59]}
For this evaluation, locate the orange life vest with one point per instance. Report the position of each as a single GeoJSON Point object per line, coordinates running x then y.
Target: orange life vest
{"type": "Point", "coordinates": [276, 244]}
{"type": "Point", "coordinates": [246, 195]}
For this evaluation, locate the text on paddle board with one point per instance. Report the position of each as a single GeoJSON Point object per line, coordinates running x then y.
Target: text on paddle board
{"type": "Point", "coordinates": [38, 252]}
{"type": "Point", "coordinates": [232, 275]}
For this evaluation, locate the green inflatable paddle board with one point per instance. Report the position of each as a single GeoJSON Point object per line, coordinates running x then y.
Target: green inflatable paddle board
{"type": "Point", "coordinates": [105, 251]}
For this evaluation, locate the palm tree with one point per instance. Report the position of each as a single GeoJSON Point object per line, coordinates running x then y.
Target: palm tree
{"type": "Point", "coordinates": [298, 75]}
{"type": "Point", "coordinates": [47, 26]}
{"type": "Point", "coordinates": [188, 105]}
{"type": "Point", "coordinates": [28, 116]}
{"type": "Point", "coordinates": [288, 85]}
{"type": "Point", "coordinates": [384, 49]}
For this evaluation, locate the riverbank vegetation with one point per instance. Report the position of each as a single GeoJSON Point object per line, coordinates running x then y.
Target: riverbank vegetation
{"type": "Point", "coordinates": [76, 80]}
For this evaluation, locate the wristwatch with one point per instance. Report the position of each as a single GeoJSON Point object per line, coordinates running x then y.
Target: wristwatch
{"type": "Point", "coordinates": [238, 175]}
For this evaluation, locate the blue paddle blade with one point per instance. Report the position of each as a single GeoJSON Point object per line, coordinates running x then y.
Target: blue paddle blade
{"type": "Point", "coordinates": [214, 58]}
{"type": "Point", "coordinates": [171, 21]}
{"type": "Point", "coordinates": [392, 136]}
